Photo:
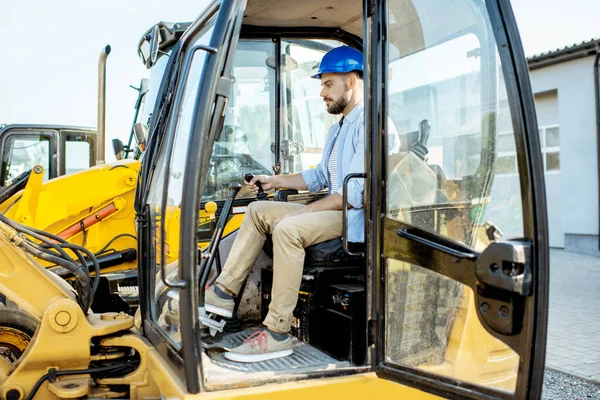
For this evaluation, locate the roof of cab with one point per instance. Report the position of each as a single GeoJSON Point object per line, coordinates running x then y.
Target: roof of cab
{"type": "Point", "coordinates": [340, 14]}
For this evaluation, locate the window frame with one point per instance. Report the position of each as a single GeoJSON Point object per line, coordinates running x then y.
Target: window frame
{"type": "Point", "coordinates": [64, 138]}
{"type": "Point", "coordinates": [165, 125]}
{"type": "Point", "coordinates": [51, 134]}
{"type": "Point", "coordinates": [549, 149]}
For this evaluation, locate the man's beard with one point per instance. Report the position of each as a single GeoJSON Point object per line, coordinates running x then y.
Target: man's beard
{"type": "Point", "coordinates": [338, 106]}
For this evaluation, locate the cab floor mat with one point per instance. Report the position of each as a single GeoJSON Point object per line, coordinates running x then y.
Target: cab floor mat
{"type": "Point", "coordinates": [218, 370]}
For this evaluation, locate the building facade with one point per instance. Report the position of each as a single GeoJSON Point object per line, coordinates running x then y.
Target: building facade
{"type": "Point", "coordinates": [565, 87]}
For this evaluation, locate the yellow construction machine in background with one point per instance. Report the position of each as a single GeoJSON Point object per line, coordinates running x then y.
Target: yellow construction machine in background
{"type": "Point", "coordinates": [94, 208]}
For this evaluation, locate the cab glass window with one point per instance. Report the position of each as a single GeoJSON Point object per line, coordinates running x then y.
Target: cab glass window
{"type": "Point", "coordinates": [246, 142]}
{"type": "Point", "coordinates": [305, 121]}
{"type": "Point", "coordinates": [165, 194]}
{"type": "Point", "coordinates": [156, 73]}
{"type": "Point", "coordinates": [23, 152]}
{"type": "Point", "coordinates": [452, 177]}
{"type": "Point", "coordinates": [77, 152]}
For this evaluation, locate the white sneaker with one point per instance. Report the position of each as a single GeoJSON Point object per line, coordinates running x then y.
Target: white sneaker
{"type": "Point", "coordinates": [261, 346]}
{"type": "Point", "coordinates": [216, 305]}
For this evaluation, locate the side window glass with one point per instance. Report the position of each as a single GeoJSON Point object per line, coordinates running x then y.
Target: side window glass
{"type": "Point", "coordinates": [23, 152]}
{"type": "Point", "coordinates": [77, 153]}
{"type": "Point", "coordinates": [454, 175]}
{"type": "Point", "coordinates": [166, 192]}
{"type": "Point", "coordinates": [305, 121]}
{"type": "Point", "coordinates": [246, 142]}
{"type": "Point", "coordinates": [463, 124]}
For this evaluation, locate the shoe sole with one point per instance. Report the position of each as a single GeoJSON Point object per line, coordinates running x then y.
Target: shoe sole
{"type": "Point", "coordinates": [248, 358]}
{"type": "Point", "coordinates": [218, 310]}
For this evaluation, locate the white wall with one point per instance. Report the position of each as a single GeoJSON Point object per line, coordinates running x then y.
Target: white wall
{"type": "Point", "coordinates": [575, 189]}
{"type": "Point", "coordinates": [546, 106]}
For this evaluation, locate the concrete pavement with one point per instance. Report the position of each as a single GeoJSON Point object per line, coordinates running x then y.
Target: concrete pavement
{"type": "Point", "coordinates": [573, 344]}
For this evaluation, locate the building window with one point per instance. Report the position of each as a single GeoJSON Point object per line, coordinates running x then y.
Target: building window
{"type": "Point", "coordinates": [506, 160]}
{"type": "Point", "coordinates": [550, 142]}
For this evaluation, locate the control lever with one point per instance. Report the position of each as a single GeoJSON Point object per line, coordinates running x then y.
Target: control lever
{"type": "Point", "coordinates": [261, 193]}
{"type": "Point", "coordinates": [420, 148]}
{"type": "Point", "coordinates": [208, 257]}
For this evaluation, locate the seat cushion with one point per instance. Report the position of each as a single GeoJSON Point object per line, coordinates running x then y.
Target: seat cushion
{"type": "Point", "coordinates": [327, 252]}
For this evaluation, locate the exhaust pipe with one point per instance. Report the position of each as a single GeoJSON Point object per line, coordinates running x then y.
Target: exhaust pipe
{"type": "Point", "coordinates": [100, 139]}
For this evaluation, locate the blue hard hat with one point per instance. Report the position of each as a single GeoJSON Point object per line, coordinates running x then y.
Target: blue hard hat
{"type": "Point", "coordinates": [342, 60]}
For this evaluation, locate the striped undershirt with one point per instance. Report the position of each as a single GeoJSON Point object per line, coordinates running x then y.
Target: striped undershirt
{"type": "Point", "coordinates": [332, 164]}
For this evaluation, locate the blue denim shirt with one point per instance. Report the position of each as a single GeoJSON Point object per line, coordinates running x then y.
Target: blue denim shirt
{"type": "Point", "coordinates": [351, 159]}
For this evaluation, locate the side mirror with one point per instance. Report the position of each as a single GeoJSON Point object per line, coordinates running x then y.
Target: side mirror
{"type": "Point", "coordinates": [118, 148]}
{"type": "Point", "coordinates": [141, 133]}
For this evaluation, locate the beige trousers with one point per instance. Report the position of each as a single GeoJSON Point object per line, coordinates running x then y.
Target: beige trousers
{"type": "Point", "coordinates": [290, 237]}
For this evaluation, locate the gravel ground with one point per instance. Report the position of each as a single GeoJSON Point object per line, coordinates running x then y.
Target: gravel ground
{"type": "Point", "coordinates": [559, 386]}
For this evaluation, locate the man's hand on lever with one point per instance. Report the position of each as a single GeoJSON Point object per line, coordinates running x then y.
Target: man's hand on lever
{"type": "Point", "coordinates": [259, 180]}
{"type": "Point", "coordinates": [269, 182]}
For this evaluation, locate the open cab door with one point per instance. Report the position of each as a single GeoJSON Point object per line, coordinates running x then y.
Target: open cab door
{"type": "Point", "coordinates": [458, 243]}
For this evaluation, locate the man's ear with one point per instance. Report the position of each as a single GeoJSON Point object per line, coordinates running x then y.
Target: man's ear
{"type": "Point", "coordinates": [351, 80]}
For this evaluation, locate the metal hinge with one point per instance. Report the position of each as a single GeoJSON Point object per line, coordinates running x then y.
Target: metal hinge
{"type": "Point", "coordinates": [224, 87]}
{"type": "Point", "coordinates": [142, 221]}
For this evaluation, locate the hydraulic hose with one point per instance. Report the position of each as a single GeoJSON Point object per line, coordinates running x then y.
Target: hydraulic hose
{"type": "Point", "coordinates": [80, 277]}
{"type": "Point", "coordinates": [93, 259]}
{"type": "Point", "coordinates": [59, 256]}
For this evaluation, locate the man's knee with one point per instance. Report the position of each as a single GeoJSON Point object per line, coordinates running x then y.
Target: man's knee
{"type": "Point", "coordinates": [258, 207]}
{"type": "Point", "coordinates": [287, 230]}
{"type": "Point", "coordinates": [256, 211]}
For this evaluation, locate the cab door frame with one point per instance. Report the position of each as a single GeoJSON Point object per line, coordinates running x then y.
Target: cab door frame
{"type": "Point", "coordinates": [529, 161]}
{"type": "Point", "coordinates": [209, 102]}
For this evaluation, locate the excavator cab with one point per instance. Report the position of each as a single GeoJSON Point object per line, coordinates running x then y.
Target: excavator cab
{"type": "Point", "coordinates": [438, 298]}
{"type": "Point", "coordinates": [61, 150]}
{"type": "Point", "coordinates": [437, 302]}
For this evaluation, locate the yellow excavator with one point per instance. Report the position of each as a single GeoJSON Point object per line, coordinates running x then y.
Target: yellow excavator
{"type": "Point", "coordinates": [93, 208]}
{"type": "Point", "coordinates": [448, 297]}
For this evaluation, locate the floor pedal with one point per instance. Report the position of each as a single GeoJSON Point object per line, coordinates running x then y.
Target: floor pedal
{"type": "Point", "coordinates": [212, 324]}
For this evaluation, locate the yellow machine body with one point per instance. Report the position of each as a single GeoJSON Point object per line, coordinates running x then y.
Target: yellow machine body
{"type": "Point", "coordinates": [59, 204]}
{"type": "Point", "coordinates": [64, 336]}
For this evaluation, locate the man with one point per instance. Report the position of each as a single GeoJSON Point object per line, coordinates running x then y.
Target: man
{"type": "Point", "coordinates": [294, 226]}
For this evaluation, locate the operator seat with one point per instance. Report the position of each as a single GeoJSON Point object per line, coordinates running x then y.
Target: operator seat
{"type": "Point", "coordinates": [329, 253]}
